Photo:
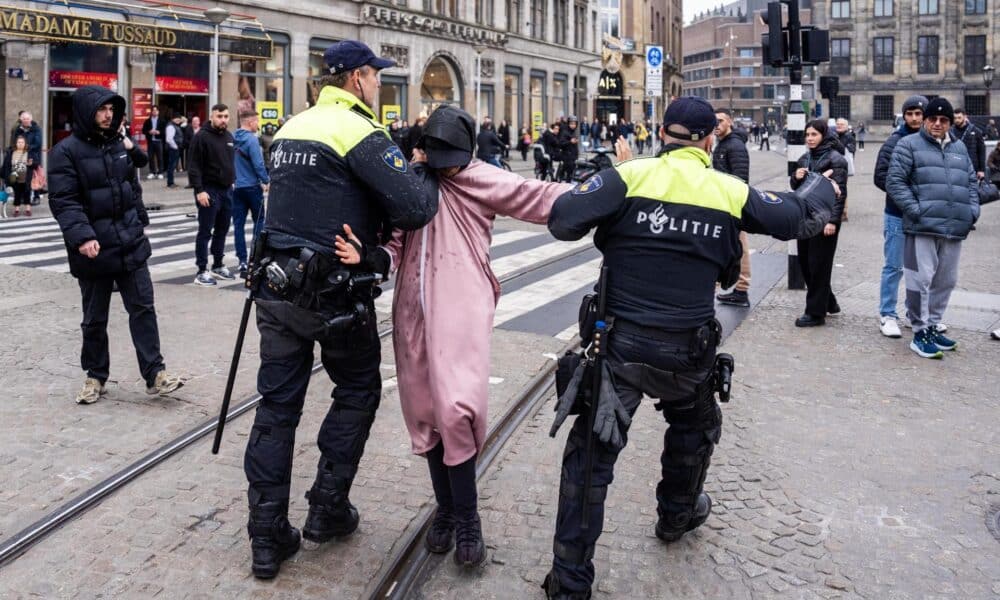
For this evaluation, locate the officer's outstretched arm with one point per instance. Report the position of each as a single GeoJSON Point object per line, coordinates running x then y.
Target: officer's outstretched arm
{"type": "Point", "coordinates": [587, 205]}
{"type": "Point", "coordinates": [409, 200]}
{"type": "Point", "coordinates": [791, 215]}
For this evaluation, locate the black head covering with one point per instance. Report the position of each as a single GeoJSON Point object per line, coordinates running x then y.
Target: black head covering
{"type": "Point", "coordinates": [86, 101]}
{"type": "Point", "coordinates": [449, 138]}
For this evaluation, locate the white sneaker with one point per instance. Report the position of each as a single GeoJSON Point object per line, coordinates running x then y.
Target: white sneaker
{"type": "Point", "coordinates": [164, 383]}
{"type": "Point", "coordinates": [92, 391]}
{"type": "Point", "coordinates": [160, 176]}
{"type": "Point", "coordinates": [889, 327]}
{"type": "Point", "coordinates": [995, 334]}
{"type": "Point", "coordinates": [151, 176]}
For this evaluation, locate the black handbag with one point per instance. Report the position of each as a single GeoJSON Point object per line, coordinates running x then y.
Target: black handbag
{"type": "Point", "coordinates": [988, 192]}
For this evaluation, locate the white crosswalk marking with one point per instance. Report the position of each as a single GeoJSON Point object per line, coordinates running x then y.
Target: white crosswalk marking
{"type": "Point", "coordinates": [540, 293]}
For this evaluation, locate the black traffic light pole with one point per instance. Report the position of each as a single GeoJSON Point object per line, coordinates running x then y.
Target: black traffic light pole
{"type": "Point", "coordinates": [795, 133]}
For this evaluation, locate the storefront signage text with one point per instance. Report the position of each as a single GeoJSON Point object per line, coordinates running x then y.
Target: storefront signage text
{"type": "Point", "coordinates": [87, 30]}
{"type": "Point", "coordinates": [429, 25]}
{"type": "Point", "coordinates": [610, 84]}
{"type": "Point", "coordinates": [180, 85]}
{"type": "Point", "coordinates": [78, 79]}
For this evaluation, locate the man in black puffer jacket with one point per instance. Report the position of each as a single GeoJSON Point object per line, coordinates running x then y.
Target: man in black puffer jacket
{"type": "Point", "coordinates": [730, 156]}
{"type": "Point", "coordinates": [96, 198]}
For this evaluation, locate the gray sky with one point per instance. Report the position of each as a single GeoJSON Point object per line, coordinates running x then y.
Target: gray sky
{"type": "Point", "coordinates": [691, 7]}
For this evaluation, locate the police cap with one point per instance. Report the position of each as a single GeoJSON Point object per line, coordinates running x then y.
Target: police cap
{"type": "Point", "coordinates": [694, 114]}
{"type": "Point", "coordinates": [352, 54]}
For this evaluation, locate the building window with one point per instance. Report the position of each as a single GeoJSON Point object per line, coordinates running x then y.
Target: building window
{"type": "Point", "coordinates": [975, 54]}
{"type": "Point", "coordinates": [746, 71]}
{"type": "Point", "coordinates": [514, 16]}
{"type": "Point", "coordinates": [769, 71]}
{"type": "Point", "coordinates": [746, 53]}
{"type": "Point", "coordinates": [446, 8]}
{"type": "Point", "coordinates": [561, 21]}
{"type": "Point", "coordinates": [392, 93]}
{"type": "Point", "coordinates": [883, 109]}
{"type": "Point", "coordinates": [840, 9]}
{"type": "Point", "coordinates": [975, 105]}
{"type": "Point", "coordinates": [269, 79]}
{"type": "Point", "coordinates": [927, 54]}
{"type": "Point", "coordinates": [840, 56]}
{"type": "Point", "coordinates": [317, 68]}
{"type": "Point", "coordinates": [927, 7]}
{"type": "Point", "coordinates": [840, 107]}
{"type": "Point", "coordinates": [484, 12]}
{"type": "Point", "coordinates": [746, 93]}
{"type": "Point", "coordinates": [718, 93]}
{"type": "Point", "coordinates": [769, 92]}
{"type": "Point", "coordinates": [538, 19]}
{"type": "Point", "coordinates": [975, 7]}
{"type": "Point", "coordinates": [512, 97]}
{"type": "Point", "coordinates": [883, 55]}
{"type": "Point", "coordinates": [560, 96]}
{"type": "Point", "coordinates": [610, 15]}
{"type": "Point", "coordinates": [579, 25]}
{"type": "Point", "coordinates": [536, 101]}
{"type": "Point", "coordinates": [883, 8]}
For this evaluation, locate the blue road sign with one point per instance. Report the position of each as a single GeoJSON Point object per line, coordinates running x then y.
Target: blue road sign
{"type": "Point", "coordinates": [654, 56]}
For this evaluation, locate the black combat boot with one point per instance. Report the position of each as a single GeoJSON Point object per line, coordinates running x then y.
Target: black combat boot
{"type": "Point", "coordinates": [272, 538]}
{"type": "Point", "coordinates": [331, 514]}
{"type": "Point", "coordinates": [554, 591]}
{"type": "Point", "coordinates": [670, 527]}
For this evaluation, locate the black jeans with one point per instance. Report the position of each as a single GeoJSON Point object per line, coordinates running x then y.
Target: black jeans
{"type": "Point", "coordinates": [816, 260]}
{"type": "Point", "coordinates": [172, 157]}
{"type": "Point", "coordinates": [136, 289]}
{"type": "Point", "coordinates": [695, 427]}
{"type": "Point", "coordinates": [287, 336]}
{"type": "Point", "coordinates": [155, 157]}
{"type": "Point", "coordinates": [213, 224]}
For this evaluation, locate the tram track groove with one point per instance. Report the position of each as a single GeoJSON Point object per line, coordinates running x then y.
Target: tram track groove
{"type": "Point", "coordinates": [16, 545]}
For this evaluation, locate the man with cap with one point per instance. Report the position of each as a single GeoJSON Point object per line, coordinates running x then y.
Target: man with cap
{"type": "Point", "coordinates": [330, 165]}
{"type": "Point", "coordinates": [892, 229]}
{"type": "Point", "coordinates": [933, 182]}
{"type": "Point", "coordinates": [668, 228]}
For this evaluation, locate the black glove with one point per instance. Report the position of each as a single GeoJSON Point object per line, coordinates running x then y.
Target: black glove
{"type": "Point", "coordinates": [611, 420]}
{"type": "Point", "coordinates": [566, 402]}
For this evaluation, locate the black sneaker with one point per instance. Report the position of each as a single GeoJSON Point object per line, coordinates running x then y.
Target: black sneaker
{"type": "Point", "coordinates": [671, 527]}
{"type": "Point", "coordinates": [809, 321]}
{"type": "Point", "coordinates": [470, 550]}
{"type": "Point", "coordinates": [441, 535]}
{"type": "Point", "coordinates": [734, 298]}
{"type": "Point", "coordinates": [554, 591]}
{"type": "Point", "coordinates": [243, 270]}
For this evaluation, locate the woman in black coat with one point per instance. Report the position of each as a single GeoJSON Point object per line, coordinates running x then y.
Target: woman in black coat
{"type": "Point", "coordinates": [816, 254]}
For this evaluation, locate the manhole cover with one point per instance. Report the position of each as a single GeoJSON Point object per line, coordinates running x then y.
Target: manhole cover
{"type": "Point", "coordinates": [993, 521]}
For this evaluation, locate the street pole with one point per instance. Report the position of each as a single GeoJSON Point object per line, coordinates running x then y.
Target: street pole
{"type": "Point", "coordinates": [732, 74]}
{"type": "Point", "coordinates": [988, 81]}
{"type": "Point", "coordinates": [216, 16]}
{"type": "Point", "coordinates": [479, 86]}
{"type": "Point", "coordinates": [796, 127]}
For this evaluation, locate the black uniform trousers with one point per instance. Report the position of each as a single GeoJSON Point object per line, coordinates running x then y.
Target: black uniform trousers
{"type": "Point", "coordinates": [695, 427]}
{"type": "Point", "coordinates": [816, 260]}
{"type": "Point", "coordinates": [287, 336]}
{"type": "Point", "coordinates": [136, 289]}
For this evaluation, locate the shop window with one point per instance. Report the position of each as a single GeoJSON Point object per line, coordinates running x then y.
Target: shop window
{"type": "Point", "coordinates": [512, 97]}
{"type": "Point", "coordinates": [560, 96]}
{"type": "Point", "coordinates": [267, 79]}
{"type": "Point", "coordinates": [392, 96]}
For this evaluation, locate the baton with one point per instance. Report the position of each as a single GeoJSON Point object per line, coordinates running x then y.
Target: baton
{"type": "Point", "coordinates": [224, 411]}
{"type": "Point", "coordinates": [600, 328]}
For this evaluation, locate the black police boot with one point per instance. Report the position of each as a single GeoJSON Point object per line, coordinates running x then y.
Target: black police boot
{"type": "Point", "coordinates": [470, 550]}
{"type": "Point", "coordinates": [272, 538]}
{"type": "Point", "coordinates": [554, 591]}
{"type": "Point", "coordinates": [331, 514]}
{"type": "Point", "coordinates": [671, 527]}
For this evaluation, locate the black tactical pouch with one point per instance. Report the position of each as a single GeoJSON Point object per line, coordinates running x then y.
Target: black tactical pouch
{"type": "Point", "coordinates": [587, 318]}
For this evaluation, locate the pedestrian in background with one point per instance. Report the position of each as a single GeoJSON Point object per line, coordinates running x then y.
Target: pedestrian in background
{"type": "Point", "coordinates": [15, 173]}
{"type": "Point", "coordinates": [972, 137]}
{"type": "Point", "coordinates": [212, 174]}
{"type": "Point", "coordinates": [97, 200]}
{"type": "Point", "coordinates": [932, 180]}
{"type": "Point", "coordinates": [816, 253]}
{"type": "Point", "coordinates": [173, 136]}
{"type": "Point", "coordinates": [252, 181]}
{"type": "Point", "coordinates": [193, 127]}
{"type": "Point", "coordinates": [991, 131]}
{"type": "Point", "coordinates": [153, 129]}
{"type": "Point", "coordinates": [503, 132]}
{"type": "Point", "coordinates": [892, 219]}
{"type": "Point", "coordinates": [524, 142]}
{"type": "Point", "coordinates": [489, 148]}
{"type": "Point", "coordinates": [861, 131]}
{"type": "Point", "coordinates": [764, 139]}
{"type": "Point", "coordinates": [731, 157]}
{"type": "Point", "coordinates": [32, 134]}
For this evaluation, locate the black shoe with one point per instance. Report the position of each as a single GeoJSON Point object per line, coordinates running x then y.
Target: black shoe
{"type": "Point", "coordinates": [833, 308]}
{"type": "Point", "coordinates": [670, 528]}
{"type": "Point", "coordinates": [734, 298]}
{"type": "Point", "coordinates": [554, 591]}
{"type": "Point", "coordinates": [272, 538]}
{"type": "Point", "coordinates": [331, 514]}
{"type": "Point", "coordinates": [441, 535]}
{"type": "Point", "coordinates": [470, 550]}
{"type": "Point", "coordinates": [809, 321]}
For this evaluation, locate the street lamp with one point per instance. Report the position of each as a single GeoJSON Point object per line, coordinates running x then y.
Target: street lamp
{"type": "Point", "coordinates": [479, 48]}
{"type": "Point", "coordinates": [732, 74]}
{"type": "Point", "coordinates": [216, 15]}
{"type": "Point", "coordinates": [988, 82]}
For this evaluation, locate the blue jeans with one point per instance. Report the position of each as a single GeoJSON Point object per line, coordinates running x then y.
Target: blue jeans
{"type": "Point", "coordinates": [172, 157]}
{"type": "Point", "coordinates": [892, 270]}
{"type": "Point", "coordinates": [246, 199]}
{"type": "Point", "coordinates": [213, 225]}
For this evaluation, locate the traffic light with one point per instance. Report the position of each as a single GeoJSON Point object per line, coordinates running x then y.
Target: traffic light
{"type": "Point", "coordinates": [815, 46]}
{"type": "Point", "coordinates": [774, 43]}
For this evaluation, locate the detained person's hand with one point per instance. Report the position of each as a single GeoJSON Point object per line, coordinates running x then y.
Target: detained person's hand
{"type": "Point", "coordinates": [622, 150]}
{"type": "Point", "coordinates": [203, 199]}
{"type": "Point", "coordinates": [800, 173]}
{"type": "Point", "coordinates": [829, 229]}
{"type": "Point", "coordinates": [90, 249]}
{"type": "Point", "coordinates": [348, 253]}
{"type": "Point", "coordinates": [829, 175]}
{"type": "Point", "coordinates": [419, 156]}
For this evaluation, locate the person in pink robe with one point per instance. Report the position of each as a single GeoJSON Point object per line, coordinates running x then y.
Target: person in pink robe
{"type": "Point", "coordinates": [445, 299]}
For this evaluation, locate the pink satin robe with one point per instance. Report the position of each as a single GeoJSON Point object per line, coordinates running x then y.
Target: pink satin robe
{"type": "Point", "coordinates": [444, 302]}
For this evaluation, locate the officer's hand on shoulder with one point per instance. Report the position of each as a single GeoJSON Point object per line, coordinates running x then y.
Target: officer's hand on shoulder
{"type": "Point", "coordinates": [347, 251]}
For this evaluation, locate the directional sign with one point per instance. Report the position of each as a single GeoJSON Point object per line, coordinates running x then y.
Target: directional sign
{"type": "Point", "coordinates": [654, 71]}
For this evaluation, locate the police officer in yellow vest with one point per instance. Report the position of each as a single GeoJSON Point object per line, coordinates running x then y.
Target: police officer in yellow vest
{"type": "Point", "coordinates": [668, 228]}
{"type": "Point", "coordinates": [330, 165]}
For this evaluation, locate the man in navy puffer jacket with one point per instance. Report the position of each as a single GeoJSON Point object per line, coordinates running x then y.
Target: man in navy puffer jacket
{"type": "Point", "coordinates": [933, 183]}
{"type": "Point", "coordinates": [96, 198]}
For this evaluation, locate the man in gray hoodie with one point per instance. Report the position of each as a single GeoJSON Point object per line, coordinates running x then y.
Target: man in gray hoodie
{"type": "Point", "coordinates": [932, 180]}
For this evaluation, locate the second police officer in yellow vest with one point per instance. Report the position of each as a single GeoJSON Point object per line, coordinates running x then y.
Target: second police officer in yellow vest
{"type": "Point", "coordinates": [668, 228]}
{"type": "Point", "coordinates": [330, 165]}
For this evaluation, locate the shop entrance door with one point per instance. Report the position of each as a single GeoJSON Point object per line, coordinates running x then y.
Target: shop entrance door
{"type": "Point", "coordinates": [178, 104]}
{"type": "Point", "coordinates": [61, 116]}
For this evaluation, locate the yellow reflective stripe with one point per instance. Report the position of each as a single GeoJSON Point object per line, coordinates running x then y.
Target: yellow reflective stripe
{"type": "Point", "coordinates": [684, 177]}
{"type": "Point", "coordinates": [332, 122]}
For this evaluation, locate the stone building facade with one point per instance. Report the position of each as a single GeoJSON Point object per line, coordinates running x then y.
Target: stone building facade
{"type": "Point", "coordinates": [886, 50]}
{"type": "Point", "coordinates": [537, 59]}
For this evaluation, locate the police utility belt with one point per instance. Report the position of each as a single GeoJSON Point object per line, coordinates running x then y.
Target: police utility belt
{"type": "Point", "coordinates": [320, 283]}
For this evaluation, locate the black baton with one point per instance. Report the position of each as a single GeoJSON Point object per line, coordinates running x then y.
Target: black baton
{"type": "Point", "coordinates": [597, 364]}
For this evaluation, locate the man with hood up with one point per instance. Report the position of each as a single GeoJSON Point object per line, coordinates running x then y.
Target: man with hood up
{"type": "Point", "coordinates": [96, 198]}
{"type": "Point", "coordinates": [445, 299]}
